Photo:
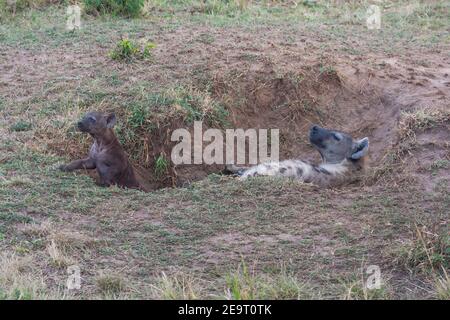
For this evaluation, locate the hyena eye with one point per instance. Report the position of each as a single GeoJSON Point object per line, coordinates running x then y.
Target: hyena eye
{"type": "Point", "coordinates": [92, 119]}
{"type": "Point", "coordinates": [337, 136]}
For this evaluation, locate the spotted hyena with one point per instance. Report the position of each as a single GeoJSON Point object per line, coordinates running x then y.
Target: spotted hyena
{"type": "Point", "coordinates": [342, 156]}
{"type": "Point", "coordinates": [106, 154]}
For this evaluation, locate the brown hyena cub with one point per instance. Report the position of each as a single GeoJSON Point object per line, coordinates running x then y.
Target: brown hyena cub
{"type": "Point", "coordinates": [343, 159]}
{"type": "Point", "coordinates": [106, 154]}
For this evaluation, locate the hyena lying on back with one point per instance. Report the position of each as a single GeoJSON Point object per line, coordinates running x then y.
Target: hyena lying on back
{"type": "Point", "coordinates": [342, 157]}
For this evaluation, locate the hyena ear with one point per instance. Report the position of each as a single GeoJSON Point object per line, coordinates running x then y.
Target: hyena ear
{"type": "Point", "coordinates": [360, 148]}
{"type": "Point", "coordinates": [110, 120]}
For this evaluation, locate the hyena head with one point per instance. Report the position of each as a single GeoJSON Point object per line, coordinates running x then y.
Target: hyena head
{"type": "Point", "coordinates": [335, 146]}
{"type": "Point", "coordinates": [96, 123]}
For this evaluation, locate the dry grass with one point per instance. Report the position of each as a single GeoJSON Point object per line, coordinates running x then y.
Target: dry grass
{"type": "Point", "coordinates": [357, 290]}
{"type": "Point", "coordinates": [73, 241]}
{"type": "Point", "coordinates": [41, 230]}
{"type": "Point", "coordinates": [249, 284]}
{"type": "Point", "coordinates": [396, 159]}
{"type": "Point", "coordinates": [19, 280]}
{"type": "Point", "coordinates": [59, 258]}
{"type": "Point", "coordinates": [110, 285]}
{"type": "Point", "coordinates": [239, 285]}
{"type": "Point", "coordinates": [443, 286]}
{"type": "Point", "coordinates": [178, 286]}
{"type": "Point", "coordinates": [16, 182]}
{"type": "Point", "coordinates": [420, 120]}
{"type": "Point", "coordinates": [426, 251]}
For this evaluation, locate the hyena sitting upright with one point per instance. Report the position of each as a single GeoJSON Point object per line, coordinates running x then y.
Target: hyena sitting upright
{"type": "Point", "coordinates": [343, 158]}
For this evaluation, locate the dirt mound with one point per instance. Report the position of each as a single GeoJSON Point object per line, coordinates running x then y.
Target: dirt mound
{"type": "Point", "coordinates": [358, 98]}
{"type": "Point", "coordinates": [348, 97]}
{"type": "Point", "coordinates": [265, 98]}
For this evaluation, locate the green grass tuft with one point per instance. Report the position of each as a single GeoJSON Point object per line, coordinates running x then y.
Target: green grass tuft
{"type": "Point", "coordinates": [21, 126]}
{"type": "Point", "coordinates": [127, 50]}
{"type": "Point", "coordinates": [126, 8]}
{"type": "Point", "coordinates": [161, 166]}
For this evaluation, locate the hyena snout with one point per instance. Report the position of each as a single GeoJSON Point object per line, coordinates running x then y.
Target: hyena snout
{"type": "Point", "coordinates": [88, 125]}
{"type": "Point", "coordinates": [317, 135]}
{"type": "Point", "coordinates": [96, 122]}
{"type": "Point", "coordinates": [81, 126]}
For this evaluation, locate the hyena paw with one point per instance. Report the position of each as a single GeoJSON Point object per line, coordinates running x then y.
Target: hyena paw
{"type": "Point", "coordinates": [63, 168]}
{"type": "Point", "coordinates": [103, 184]}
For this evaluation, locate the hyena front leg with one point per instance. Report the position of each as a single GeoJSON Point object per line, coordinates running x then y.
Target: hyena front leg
{"type": "Point", "coordinates": [236, 169]}
{"type": "Point", "coordinates": [87, 163]}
